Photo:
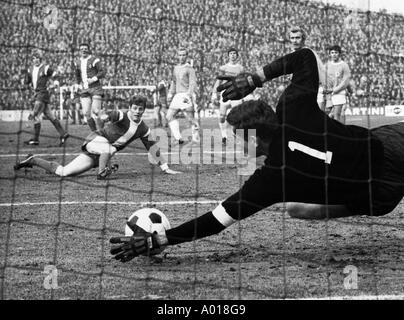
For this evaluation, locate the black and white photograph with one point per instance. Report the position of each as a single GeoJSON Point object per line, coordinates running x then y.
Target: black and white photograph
{"type": "Point", "coordinates": [205, 152]}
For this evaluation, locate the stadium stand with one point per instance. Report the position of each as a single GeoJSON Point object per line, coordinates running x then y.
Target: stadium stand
{"type": "Point", "coordinates": [137, 40]}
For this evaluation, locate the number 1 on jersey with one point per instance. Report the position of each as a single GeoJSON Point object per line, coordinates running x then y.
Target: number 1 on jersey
{"type": "Point", "coordinates": [326, 156]}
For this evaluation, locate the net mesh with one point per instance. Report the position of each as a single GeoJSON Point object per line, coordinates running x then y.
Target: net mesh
{"type": "Point", "coordinates": [137, 42]}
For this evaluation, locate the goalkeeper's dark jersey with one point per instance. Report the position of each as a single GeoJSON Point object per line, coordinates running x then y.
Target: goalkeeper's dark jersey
{"type": "Point", "coordinates": [312, 158]}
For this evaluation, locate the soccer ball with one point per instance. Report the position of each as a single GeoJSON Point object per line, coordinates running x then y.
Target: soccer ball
{"type": "Point", "coordinates": [149, 219]}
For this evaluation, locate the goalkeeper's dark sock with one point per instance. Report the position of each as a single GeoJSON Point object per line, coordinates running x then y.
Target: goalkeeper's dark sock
{"type": "Point", "coordinates": [37, 131]}
{"type": "Point", "coordinates": [49, 166]}
{"type": "Point", "coordinates": [91, 124]}
{"type": "Point", "coordinates": [103, 161]}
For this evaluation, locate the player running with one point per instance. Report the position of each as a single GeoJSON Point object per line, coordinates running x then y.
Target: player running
{"type": "Point", "coordinates": [232, 68]}
{"type": "Point", "coordinates": [100, 146]}
{"type": "Point", "coordinates": [181, 97]}
{"type": "Point", "coordinates": [38, 76]}
{"type": "Point", "coordinates": [332, 95]}
{"type": "Point", "coordinates": [89, 73]}
{"type": "Point", "coordinates": [337, 170]}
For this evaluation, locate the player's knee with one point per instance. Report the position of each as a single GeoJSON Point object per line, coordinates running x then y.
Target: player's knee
{"type": "Point", "coordinates": [59, 170]}
{"type": "Point", "coordinates": [222, 118]}
{"type": "Point", "coordinates": [88, 114]}
{"type": "Point", "coordinates": [50, 116]}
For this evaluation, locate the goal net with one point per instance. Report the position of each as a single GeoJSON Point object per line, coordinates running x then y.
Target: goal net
{"type": "Point", "coordinates": [55, 231]}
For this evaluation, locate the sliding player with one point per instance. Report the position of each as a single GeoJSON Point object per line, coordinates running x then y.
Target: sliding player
{"type": "Point", "coordinates": [100, 146]}
{"type": "Point", "coordinates": [38, 76]}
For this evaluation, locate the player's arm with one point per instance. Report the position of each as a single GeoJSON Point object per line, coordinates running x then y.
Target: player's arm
{"type": "Point", "coordinates": [255, 195]}
{"type": "Point", "coordinates": [214, 90]}
{"type": "Point", "coordinates": [77, 73]}
{"type": "Point", "coordinates": [27, 77]}
{"type": "Point", "coordinates": [192, 82]}
{"type": "Point", "coordinates": [301, 63]}
{"type": "Point", "coordinates": [113, 116]}
{"type": "Point", "coordinates": [344, 82]}
{"type": "Point", "coordinates": [171, 91]}
{"type": "Point", "coordinates": [101, 71]}
{"type": "Point", "coordinates": [215, 94]}
{"type": "Point", "coordinates": [155, 98]}
{"type": "Point", "coordinates": [49, 71]}
{"type": "Point", "coordinates": [154, 151]}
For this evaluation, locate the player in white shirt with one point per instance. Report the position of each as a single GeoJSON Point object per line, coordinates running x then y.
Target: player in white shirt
{"type": "Point", "coordinates": [332, 93]}
{"type": "Point", "coordinates": [232, 69]}
{"type": "Point", "coordinates": [181, 97]}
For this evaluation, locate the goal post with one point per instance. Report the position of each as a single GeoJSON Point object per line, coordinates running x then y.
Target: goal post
{"type": "Point", "coordinates": [71, 89]}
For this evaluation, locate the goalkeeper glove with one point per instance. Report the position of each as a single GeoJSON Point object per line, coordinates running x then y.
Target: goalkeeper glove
{"type": "Point", "coordinates": [140, 243]}
{"type": "Point", "coordinates": [236, 88]}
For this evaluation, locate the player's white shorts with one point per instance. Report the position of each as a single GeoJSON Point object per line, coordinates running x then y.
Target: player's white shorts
{"type": "Point", "coordinates": [338, 99]}
{"type": "Point", "coordinates": [99, 145]}
{"type": "Point", "coordinates": [331, 99]}
{"type": "Point", "coordinates": [181, 101]}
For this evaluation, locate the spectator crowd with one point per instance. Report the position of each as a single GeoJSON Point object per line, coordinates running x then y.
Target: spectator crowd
{"type": "Point", "coordinates": [137, 41]}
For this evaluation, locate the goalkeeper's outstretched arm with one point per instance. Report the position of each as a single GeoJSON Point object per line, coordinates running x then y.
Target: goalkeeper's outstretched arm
{"type": "Point", "coordinates": [302, 64]}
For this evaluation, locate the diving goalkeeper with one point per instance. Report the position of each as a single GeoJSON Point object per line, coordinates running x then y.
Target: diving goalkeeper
{"type": "Point", "coordinates": [322, 168]}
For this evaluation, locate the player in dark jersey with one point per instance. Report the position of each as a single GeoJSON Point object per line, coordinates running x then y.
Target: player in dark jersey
{"type": "Point", "coordinates": [38, 76]}
{"type": "Point", "coordinates": [89, 74]}
{"type": "Point", "coordinates": [325, 168]}
{"type": "Point", "coordinates": [100, 146]}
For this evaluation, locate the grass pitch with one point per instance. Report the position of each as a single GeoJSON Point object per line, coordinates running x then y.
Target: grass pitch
{"type": "Point", "coordinates": [46, 220]}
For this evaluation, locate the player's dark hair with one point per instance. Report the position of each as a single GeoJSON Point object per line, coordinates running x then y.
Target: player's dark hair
{"type": "Point", "coordinates": [254, 114]}
{"type": "Point", "coordinates": [139, 101]}
{"type": "Point", "coordinates": [232, 49]}
{"type": "Point", "coordinates": [335, 48]}
{"type": "Point", "coordinates": [85, 43]}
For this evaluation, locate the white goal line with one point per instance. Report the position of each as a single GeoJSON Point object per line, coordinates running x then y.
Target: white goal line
{"type": "Point", "coordinates": [10, 155]}
{"type": "Point", "coordinates": [127, 203]}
